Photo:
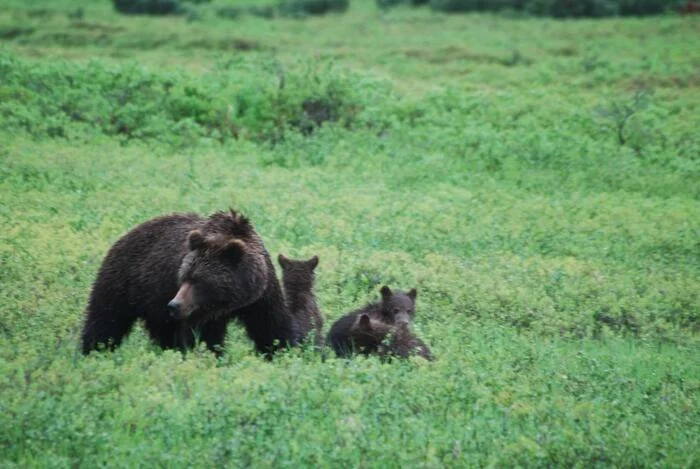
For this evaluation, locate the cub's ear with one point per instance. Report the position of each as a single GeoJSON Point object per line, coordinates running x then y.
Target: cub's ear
{"type": "Point", "coordinates": [365, 323]}
{"type": "Point", "coordinates": [233, 250]}
{"type": "Point", "coordinates": [412, 293]}
{"type": "Point", "coordinates": [195, 239]}
{"type": "Point", "coordinates": [313, 262]}
{"type": "Point", "coordinates": [283, 260]}
{"type": "Point", "coordinates": [386, 292]}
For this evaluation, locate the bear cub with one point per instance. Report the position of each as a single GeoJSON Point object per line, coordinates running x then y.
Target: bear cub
{"type": "Point", "coordinates": [187, 276]}
{"type": "Point", "coordinates": [298, 283]}
{"type": "Point", "coordinates": [367, 329]}
{"type": "Point", "coordinates": [369, 336]}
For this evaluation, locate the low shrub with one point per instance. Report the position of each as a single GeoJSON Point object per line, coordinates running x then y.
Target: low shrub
{"type": "Point", "coordinates": [312, 7]}
{"type": "Point", "coordinates": [559, 8]}
{"type": "Point", "coordinates": [153, 7]}
{"type": "Point", "coordinates": [259, 101]}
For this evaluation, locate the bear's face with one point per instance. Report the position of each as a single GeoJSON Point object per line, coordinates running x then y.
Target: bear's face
{"type": "Point", "coordinates": [298, 274]}
{"type": "Point", "coordinates": [225, 268]}
{"type": "Point", "coordinates": [398, 307]}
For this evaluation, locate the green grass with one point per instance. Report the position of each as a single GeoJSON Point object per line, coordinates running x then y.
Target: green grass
{"type": "Point", "coordinates": [475, 157]}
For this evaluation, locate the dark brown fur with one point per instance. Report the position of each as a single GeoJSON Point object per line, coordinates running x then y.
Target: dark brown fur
{"type": "Point", "coordinates": [298, 282]}
{"type": "Point", "coordinates": [395, 307]}
{"type": "Point", "coordinates": [364, 335]}
{"type": "Point", "coordinates": [215, 269]}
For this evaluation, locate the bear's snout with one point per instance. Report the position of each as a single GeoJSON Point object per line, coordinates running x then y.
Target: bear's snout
{"type": "Point", "coordinates": [402, 318]}
{"type": "Point", "coordinates": [182, 305]}
{"type": "Point", "coordinates": [174, 308]}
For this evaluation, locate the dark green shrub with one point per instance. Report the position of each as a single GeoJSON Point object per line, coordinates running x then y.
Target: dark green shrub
{"type": "Point", "coordinates": [386, 4]}
{"type": "Point", "coordinates": [457, 6]}
{"type": "Point", "coordinates": [312, 7]}
{"type": "Point", "coordinates": [579, 8]}
{"type": "Point", "coordinates": [261, 102]}
{"type": "Point", "coordinates": [645, 7]}
{"type": "Point", "coordinates": [147, 7]}
{"type": "Point", "coordinates": [154, 7]}
{"type": "Point", "coordinates": [229, 12]}
{"type": "Point", "coordinates": [559, 8]}
{"type": "Point", "coordinates": [262, 11]}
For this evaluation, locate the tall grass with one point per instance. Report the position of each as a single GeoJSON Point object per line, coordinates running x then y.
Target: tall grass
{"type": "Point", "coordinates": [507, 168]}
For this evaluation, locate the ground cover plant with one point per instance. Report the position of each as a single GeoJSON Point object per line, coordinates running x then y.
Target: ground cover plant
{"type": "Point", "coordinates": [536, 180]}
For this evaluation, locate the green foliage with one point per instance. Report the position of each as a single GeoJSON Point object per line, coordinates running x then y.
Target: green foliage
{"type": "Point", "coordinates": [559, 8]}
{"type": "Point", "coordinates": [312, 7]}
{"type": "Point", "coordinates": [474, 157]}
{"type": "Point", "coordinates": [154, 7]}
{"type": "Point", "coordinates": [263, 102]}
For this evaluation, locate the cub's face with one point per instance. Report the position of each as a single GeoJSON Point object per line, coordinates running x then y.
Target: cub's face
{"type": "Point", "coordinates": [398, 307]}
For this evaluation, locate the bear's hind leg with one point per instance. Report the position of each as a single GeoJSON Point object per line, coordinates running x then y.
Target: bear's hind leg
{"type": "Point", "coordinates": [106, 330]}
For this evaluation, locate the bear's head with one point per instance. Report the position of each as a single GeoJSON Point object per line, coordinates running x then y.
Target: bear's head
{"type": "Point", "coordinates": [398, 307]}
{"type": "Point", "coordinates": [298, 274]}
{"type": "Point", "coordinates": [225, 268]}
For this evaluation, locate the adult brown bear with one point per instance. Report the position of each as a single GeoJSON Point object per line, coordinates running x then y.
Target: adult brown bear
{"type": "Point", "coordinates": [187, 276]}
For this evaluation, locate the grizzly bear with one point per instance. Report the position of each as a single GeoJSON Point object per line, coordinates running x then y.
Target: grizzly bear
{"type": "Point", "coordinates": [394, 307]}
{"type": "Point", "coordinates": [187, 276]}
{"type": "Point", "coordinates": [298, 282]}
{"type": "Point", "coordinates": [364, 335]}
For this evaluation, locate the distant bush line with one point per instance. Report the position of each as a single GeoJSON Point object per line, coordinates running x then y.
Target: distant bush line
{"type": "Point", "coordinates": [287, 8]}
{"type": "Point", "coordinates": [554, 8]}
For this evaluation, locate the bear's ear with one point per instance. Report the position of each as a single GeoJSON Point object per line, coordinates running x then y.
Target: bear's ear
{"type": "Point", "coordinates": [313, 262]}
{"type": "Point", "coordinates": [195, 239]}
{"type": "Point", "coordinates": [412, 294]}
{"type": "Point", "coordinates": [233, 250]}
{"type": "Point", "coordinates": [365, 323]}
{"type": "Point", "coordinates": [386, 292]}
{"type": "Point", "coordinates": [283, 260]}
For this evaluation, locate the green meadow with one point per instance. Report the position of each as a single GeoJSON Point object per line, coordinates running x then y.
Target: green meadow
{"type": "Point", "coordinates": [537, 180]}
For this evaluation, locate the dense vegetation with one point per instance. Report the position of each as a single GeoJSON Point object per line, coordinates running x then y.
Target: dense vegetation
{"type": "Point", "coordinates": [561, 8]}
{"type": "Point", "coordinates": [537, 180]}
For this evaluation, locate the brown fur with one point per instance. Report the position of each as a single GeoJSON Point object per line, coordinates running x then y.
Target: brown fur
{"type": "Point", "coordinates": [298, 282]}
{"type": "Point", "coordinates": [395, 307]}
{"type": "Point", "coordinates": [364, 335]}
{"type": "Point", "coordinates": [208, 271]}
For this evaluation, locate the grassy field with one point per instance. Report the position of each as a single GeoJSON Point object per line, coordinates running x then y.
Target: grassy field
{"type": "Point", "coordinates": [538, 181]}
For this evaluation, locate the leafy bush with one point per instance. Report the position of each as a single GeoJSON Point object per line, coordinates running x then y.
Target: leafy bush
{"type": "Point", "coordinates": [454, 6]}
{"type": "Point", "coordinates": [261, 102]}
{"type": "Point", "coordinates": [153, 7]}
{"type": "Point", "coordinates": [312, 7]}
{"type": "Point", "coordinates": [232, 12]}
{"type": "Point", "coordinates": [559, 8]}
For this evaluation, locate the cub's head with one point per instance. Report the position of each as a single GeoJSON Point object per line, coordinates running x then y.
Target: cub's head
{"type": "Point", "coordinates": [224, 269]}
{"type": "Point", "coordinates": [298, 273]}
{"type": "Point", "coordinates": [397, 306]}
{"type": "Point", "coordinates": [367, 334]}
